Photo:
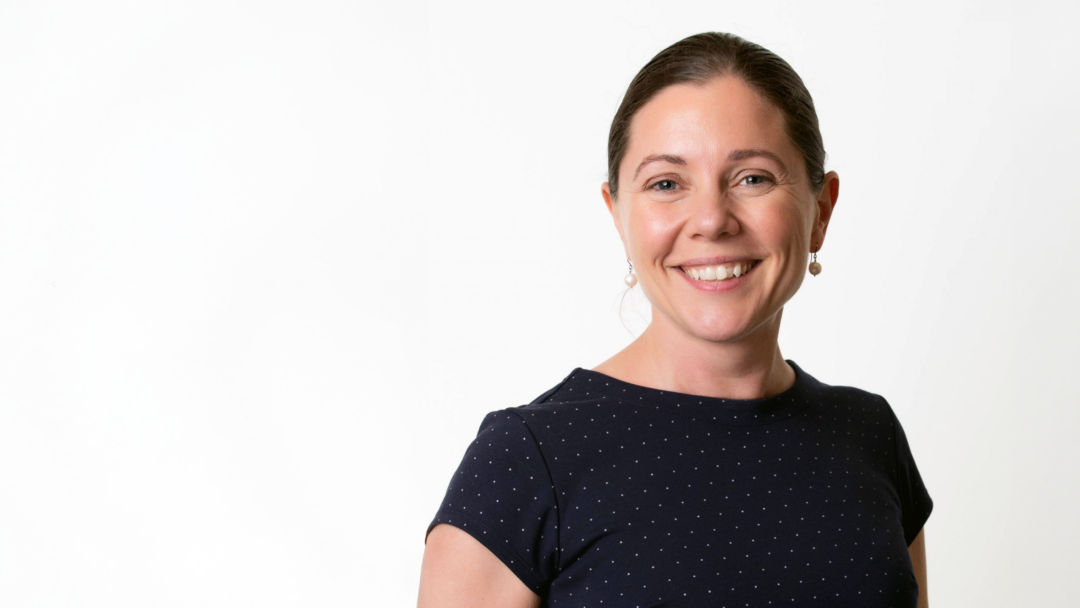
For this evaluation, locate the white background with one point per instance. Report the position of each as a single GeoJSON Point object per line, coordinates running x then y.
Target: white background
{"type": "Point", "coordinates": [264, 266]}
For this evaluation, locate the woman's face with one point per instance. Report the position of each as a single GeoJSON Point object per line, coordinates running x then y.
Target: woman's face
{"type": "Point", "coordinates": [709, 181]}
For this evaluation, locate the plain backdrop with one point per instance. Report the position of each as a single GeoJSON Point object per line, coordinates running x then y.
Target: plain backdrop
{"type": "Point", "coordinates": [264, 267]}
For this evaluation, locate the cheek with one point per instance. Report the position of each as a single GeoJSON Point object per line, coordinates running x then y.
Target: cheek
{"type": "Point", "coordinates": [784, 236]}
{"type": "Point", "coordinates": [785, 227]}
{"type": "Point", "coordinates": [652, 231]}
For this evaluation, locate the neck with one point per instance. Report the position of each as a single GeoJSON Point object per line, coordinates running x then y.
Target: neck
{"type": "Point", "coordinates": [667, 357]}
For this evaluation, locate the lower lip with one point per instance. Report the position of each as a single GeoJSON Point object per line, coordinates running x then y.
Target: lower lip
{"type": "Point", "coordinates": [717, 286]}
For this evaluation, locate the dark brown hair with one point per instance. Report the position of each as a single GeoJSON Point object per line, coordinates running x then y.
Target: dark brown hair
{"type": "Point", "coordinates": [702, 57]}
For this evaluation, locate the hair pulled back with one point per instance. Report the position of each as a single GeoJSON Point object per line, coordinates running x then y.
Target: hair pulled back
{"type": "Point", "coordinates": [702, 57]}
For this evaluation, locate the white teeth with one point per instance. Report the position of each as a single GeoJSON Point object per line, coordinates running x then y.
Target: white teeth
{"type": "Point", "coordinates": [718, 273]}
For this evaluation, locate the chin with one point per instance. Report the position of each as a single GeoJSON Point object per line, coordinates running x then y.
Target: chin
{"type": "Point", "coordinates": [719, 331]}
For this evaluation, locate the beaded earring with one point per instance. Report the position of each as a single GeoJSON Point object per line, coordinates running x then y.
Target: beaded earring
{"type": "Point", "coordinates": [815, 268]}
{"type": "Point", "coordinates": [630, 279]}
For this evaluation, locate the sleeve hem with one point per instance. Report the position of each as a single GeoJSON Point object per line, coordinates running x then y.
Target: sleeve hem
{"type": "Point", "coordinates": [494, 543]}
{"type": "Point", "coordinates": [917, 522]}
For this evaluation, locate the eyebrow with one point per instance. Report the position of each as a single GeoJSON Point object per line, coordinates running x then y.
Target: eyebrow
{"type": "Point", "coordinates": [667, 158]}
{"type": "Point", "coordinates": [741, 154]}
{"type": "Point", "coordinates": [735, 155]}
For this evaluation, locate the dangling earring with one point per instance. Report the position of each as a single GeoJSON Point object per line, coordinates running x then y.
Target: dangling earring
{"type": "Point", "coordinates": [630, 279]}
{"type": "Point", "coordinates": [815, 268]}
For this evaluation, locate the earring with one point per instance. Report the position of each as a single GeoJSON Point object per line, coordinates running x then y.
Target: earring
{"type": "Point", "coordinates": [815, 268]}
{"type": "Point", "coordinates": [630, 279]}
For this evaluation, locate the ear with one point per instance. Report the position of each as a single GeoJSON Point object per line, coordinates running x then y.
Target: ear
{"type": "Point", "coordinates": [826, 202]}
{"type": "Point", "coordinates": [613, 209]}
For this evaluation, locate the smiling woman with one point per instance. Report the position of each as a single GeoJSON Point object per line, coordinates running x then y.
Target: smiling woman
{"type": "Point", "coordinates": [713, 189]}
{"type": "Point", "coordinates": [697, 466]}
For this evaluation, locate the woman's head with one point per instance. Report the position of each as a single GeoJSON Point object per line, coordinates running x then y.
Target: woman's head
{"type": "Point", "coordinates": [717, 162]}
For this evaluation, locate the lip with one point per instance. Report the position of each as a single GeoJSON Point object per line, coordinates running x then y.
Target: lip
{"type": "Point", "coordinates": [714, 261]}
{"type": "Point", "coordinates": [716, 286]}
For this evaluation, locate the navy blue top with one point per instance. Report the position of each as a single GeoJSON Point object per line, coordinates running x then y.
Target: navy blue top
{"type": "Point", "coordinates": [604, 493]}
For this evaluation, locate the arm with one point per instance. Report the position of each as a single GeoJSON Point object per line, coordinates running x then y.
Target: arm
{"type": "Point", "coordinates": [917, 551]}
{"type": "Point", "coordinates": [457, 571]}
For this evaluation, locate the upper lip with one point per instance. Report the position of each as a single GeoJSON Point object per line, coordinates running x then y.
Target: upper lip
{"type": "Point", "coordinates": [713, 261]}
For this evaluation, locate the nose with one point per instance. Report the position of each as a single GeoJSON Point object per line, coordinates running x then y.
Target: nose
{"type": "Point", "coordinates": [712, 213]}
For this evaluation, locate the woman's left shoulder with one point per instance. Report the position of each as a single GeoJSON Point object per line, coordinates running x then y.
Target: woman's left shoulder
{"type": "Point", "coordinates": [854, 401]}
{"type": "Point", "coordinates": [844, 397]}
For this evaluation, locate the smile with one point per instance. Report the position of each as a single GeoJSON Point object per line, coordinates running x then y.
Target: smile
{"type": "Point", "coordinates": [718, 278]}
{"type": "Point", "coordinates": [719, 272]}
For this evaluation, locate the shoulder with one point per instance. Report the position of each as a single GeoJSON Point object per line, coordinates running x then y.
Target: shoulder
{"type": "Point", "coordinates": [521, 428]}
{"type": "Point", "coordinates": [570, 397]}
{"type": "Point", "coordinates": [503, 430]}
{"type": "Point", "coordinates": [851, 402]}
{"type": "Point", "coordinates": [571, 388]}
{"type": "Point", "coordinates": [556, 414]}
{"type": "Point", "coordinates": [566, 397]}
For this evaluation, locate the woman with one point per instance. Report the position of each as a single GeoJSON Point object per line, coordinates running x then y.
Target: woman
{"type": "Point", "coordinates": [696, 467]}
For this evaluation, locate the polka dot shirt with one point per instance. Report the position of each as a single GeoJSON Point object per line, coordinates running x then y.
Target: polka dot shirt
{"type": "Point", "coordinates": [604, 493]}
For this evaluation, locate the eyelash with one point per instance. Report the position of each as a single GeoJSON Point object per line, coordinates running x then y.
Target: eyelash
{"type": "Point", "coordinates": [660, 181]}
{"type": "Point", "coordinates": [764, 177]}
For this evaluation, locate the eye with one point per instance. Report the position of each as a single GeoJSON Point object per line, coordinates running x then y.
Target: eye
{"type": "Point", "coordinates": [665, 185]}
{"type": "Point", "coordinates": [756, 179]}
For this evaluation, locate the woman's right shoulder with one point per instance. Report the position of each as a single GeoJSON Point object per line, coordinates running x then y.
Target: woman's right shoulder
{"type": "Point", "coordinates": [553, 394]}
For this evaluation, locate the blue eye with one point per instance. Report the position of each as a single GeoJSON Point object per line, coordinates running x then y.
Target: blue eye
{"type": "Point", "coordinates": [670, 183]}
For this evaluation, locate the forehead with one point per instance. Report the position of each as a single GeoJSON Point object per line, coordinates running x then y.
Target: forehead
{"type": "Point", "coordinates": [706, 121]}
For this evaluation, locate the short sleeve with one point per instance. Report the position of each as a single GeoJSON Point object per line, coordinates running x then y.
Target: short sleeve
{"type": "Point", "coordinates": [915, 501]}
{"type": "Point", "coordinates": [502, 494]}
